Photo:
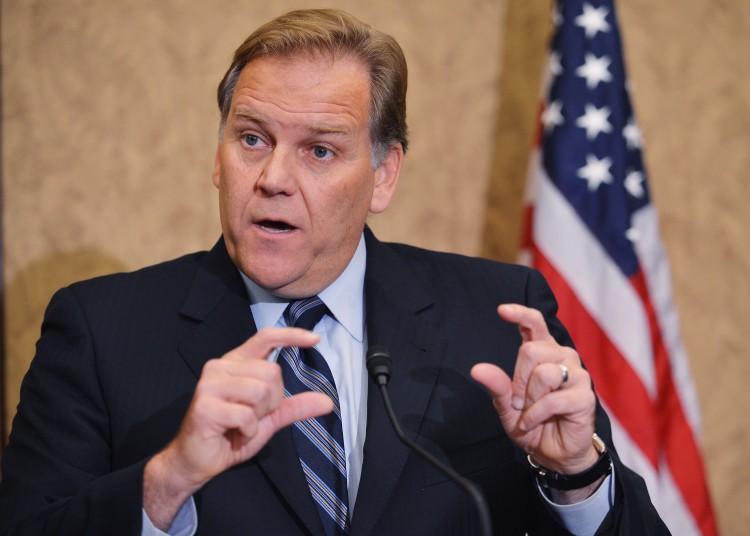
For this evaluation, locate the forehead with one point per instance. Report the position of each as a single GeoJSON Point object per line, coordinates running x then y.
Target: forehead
{"type": "Point", "coordinates": [302, 88]}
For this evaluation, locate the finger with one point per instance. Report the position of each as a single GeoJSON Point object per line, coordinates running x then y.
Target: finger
{"type": "Point", "coordinates": [267, 339]}
{"type": "Point", "coordinates": [219, 370]}
{"type": "Point", "coordinates": [545, 378]}
{"type": "Point", "coordinates": [498, 383]}
{"type": "Point", "coordinates": [530, 321]}
{"type": "Point", "coordinates": [219, 415]}
{"type": "Point", "coordinates": [251, 368]}
{"type": "Point", "coordinates": [261, 395]}
{"type": "Point", "coordinates": [565, 403]}
{"type": "Point", "coordinates": [548, 377]}
{"type": "Point", "coordinates": [530, 356]}
{"type": "Point", "coordinates": [292, 409]}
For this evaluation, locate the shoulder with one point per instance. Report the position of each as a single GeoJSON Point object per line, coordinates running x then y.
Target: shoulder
{"type": "Point", "coordinates": [165, 282]}
{"type": "Point", "coordinates": [461, 277]}
{"type": "Point", "coordinates": [452, 265]}
{"type": "Point", "coordinates": [476, 286]}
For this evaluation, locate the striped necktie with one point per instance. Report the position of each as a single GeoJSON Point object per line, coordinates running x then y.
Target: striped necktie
{"type": "Point", "coordinates": [319, 441]}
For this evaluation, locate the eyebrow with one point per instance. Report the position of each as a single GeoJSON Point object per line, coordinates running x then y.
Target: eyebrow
{"type": "Point", "coordinates": [247, 116]}
{"type": "Point", "coordinates": [314, 129]}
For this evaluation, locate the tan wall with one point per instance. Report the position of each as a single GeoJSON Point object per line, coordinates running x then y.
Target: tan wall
{"type": "Point", "coordinates": [109, 128]}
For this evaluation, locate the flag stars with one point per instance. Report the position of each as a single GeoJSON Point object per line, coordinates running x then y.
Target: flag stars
{"type": "Point", "coordinates": [632, 234]}
{"type": "Point", "coordinates": [632, 135]}
{"type": "Point", "coordinates": [634, 184]}
{"type": "Point", "coordinates": [554, 65]}
{"type": "Point", "coordinates": [595, 70]}
{"type": "Point", "coordinates": [594, 121]}
{"type": "Point", "coordinates": [596, 171]}
{"type": "Point", "coordinates": [593, 20]}
{"type": "Point", "coordinates": [552, 116]}
{"type": "Point", "coordinates": [557, 18]}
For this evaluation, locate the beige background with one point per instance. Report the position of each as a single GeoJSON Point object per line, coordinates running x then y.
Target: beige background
{"type": "Point", "coordinates": [109, 128]}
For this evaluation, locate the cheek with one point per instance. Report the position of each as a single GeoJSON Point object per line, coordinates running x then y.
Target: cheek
{"type": "Point", "coordinates": [361, 194]}
{"type": "Point", "coordinates": [349, 206]}
{"type": "Point", "coordinates": [227, 204]}
{"type": "Point", "coordinates": [235, 192]}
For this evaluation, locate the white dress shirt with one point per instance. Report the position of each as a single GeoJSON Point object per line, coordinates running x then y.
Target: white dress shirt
{"type": "Point", "coordinates": [343, 343]}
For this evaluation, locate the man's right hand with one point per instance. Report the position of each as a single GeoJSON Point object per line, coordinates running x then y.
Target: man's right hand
{"type": "Point", "coordinates": [237, 406]}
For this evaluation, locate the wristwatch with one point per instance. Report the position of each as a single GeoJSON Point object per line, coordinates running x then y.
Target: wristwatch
{"type": "Point", "coordinates": [551, 479]}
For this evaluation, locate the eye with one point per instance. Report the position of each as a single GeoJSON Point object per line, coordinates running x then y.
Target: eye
{"type": "Point", "coordinates": [322, 153]}
{"type": "Point", "coordinates": [251, 140]}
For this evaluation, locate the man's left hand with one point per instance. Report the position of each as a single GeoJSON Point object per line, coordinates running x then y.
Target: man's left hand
{"type": "Point", "coordinates": [549, 418]}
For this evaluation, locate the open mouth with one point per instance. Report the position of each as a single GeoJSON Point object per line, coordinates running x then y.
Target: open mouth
{"type": "Point", "coordinates": [275, 226]}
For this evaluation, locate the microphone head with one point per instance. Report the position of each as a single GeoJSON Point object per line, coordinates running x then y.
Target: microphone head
{"type": "Point", "coordinates": [379, 363]}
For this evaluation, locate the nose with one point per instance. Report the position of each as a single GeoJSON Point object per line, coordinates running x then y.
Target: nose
{"type": "Point", "coordinates": [277, 175]}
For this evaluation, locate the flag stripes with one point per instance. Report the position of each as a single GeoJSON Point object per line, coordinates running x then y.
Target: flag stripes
{"type": "Point", "coordinates": [656, 425]}
{"type": "Point", "coordinates": [590, 228]}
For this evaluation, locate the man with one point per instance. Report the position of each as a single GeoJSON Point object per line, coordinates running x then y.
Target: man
{"type": "Point", "coordinates": [187, 396]}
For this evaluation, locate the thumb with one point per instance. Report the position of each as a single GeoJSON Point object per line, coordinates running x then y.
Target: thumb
{"type": "Point", "coordinates": [300, 407]}
{"type": "Point", "coordinates": [500, 387]}
{"type": "Point", "coordinates": [295, 408]}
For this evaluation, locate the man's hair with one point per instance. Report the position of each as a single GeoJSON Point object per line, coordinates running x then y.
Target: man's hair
{"type": "Point", "coordinates": [338, 33]}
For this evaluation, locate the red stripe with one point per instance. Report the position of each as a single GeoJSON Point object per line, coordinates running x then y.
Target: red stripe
{"type": "Point", "coordinates": [659, 429]}
{"type": "Point", "coordinates": [616, 381]}
{"type": "Point", "coordinates": [681, 451]}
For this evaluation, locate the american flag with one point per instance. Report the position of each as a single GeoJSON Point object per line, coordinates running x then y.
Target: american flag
{"type": "Point", "coordinates": [590, 227]}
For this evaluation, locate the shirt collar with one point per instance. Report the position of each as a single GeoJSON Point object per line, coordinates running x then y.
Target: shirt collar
{"type": "Point", "coordinates": [344, 297]}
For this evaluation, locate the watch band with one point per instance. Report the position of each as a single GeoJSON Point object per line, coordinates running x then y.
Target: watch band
{"type": "Point", "coordinates": [551, 479]}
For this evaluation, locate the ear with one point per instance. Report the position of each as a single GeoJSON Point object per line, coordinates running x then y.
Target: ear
{"type": "Point", "coordinates": [386, 178]}
{"type": "Point", "coordinates": [216, 175]}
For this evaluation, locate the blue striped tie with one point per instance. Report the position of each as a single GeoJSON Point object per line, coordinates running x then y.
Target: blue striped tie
{"type": "Point", "coordinates": [319, 441]}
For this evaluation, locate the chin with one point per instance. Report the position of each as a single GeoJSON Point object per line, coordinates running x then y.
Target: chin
{"type": "Point", "coordinates": [287, 273]}
{"type": "Point", "coordinates": [267, 277]}
{"type": "Point", "coordinates": [267, 267]}
{"type": "Point", "coordinates": [275, 275]}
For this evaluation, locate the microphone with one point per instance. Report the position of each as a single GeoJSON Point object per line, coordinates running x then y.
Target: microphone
{"type": "Point", "coordinates": [379, 366]}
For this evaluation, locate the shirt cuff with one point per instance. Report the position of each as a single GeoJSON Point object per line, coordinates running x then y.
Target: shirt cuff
{"type": "Point", "coordinates": [185, 523]}
{"type": "Point", "coordinates": [583, 518]}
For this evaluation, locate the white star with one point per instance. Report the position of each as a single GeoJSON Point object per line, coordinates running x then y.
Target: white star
{"type": "Point", "coordinates": [595, 121]}
{"type": "Point", "coordinates": [592, 20]}
{"type": "Point", "coordinates": [554, 66]}
{"type": "Point", "coordinates": [557, 18]}
{"type": "Point", "coordinates": [632, 234]}
{"type": "Point", "coordinates": [634, 183]}
{"type": "Point", "coordinates": [552, 115]}
{"type": "Point", "coordinates": [596, 171]}
{"type": "Point", "coordinates": [595, 70]}
{"type": "Point", "coordinates": [632, 134]}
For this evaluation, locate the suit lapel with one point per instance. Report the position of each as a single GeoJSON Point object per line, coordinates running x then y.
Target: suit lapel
{"type": "Point", "coordinates": [219, 319]}
{"type": "Point", "coordinates": [217, 310]}
{"type": "Point", "coordinates": [402, 316]}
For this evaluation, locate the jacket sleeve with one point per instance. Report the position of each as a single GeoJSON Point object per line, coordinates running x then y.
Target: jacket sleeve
{"type": "Point", "coordinates": [57, 471]}
{"type": "Point", "coordinates": [632, 512]}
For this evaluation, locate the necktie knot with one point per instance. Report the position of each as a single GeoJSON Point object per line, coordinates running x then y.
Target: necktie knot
{"type": "Point", "coordinates": [305, 313]}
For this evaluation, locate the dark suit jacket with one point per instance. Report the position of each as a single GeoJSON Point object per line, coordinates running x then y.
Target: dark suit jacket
{"type": "Point", "coordinates": [119, 358]}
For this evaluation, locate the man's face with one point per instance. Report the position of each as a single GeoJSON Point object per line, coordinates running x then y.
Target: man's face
{"type": "Point", "coordinates": [294, 170]}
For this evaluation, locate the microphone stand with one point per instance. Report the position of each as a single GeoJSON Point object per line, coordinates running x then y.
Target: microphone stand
{"type": "Point", "coordinates": [378, 365]}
